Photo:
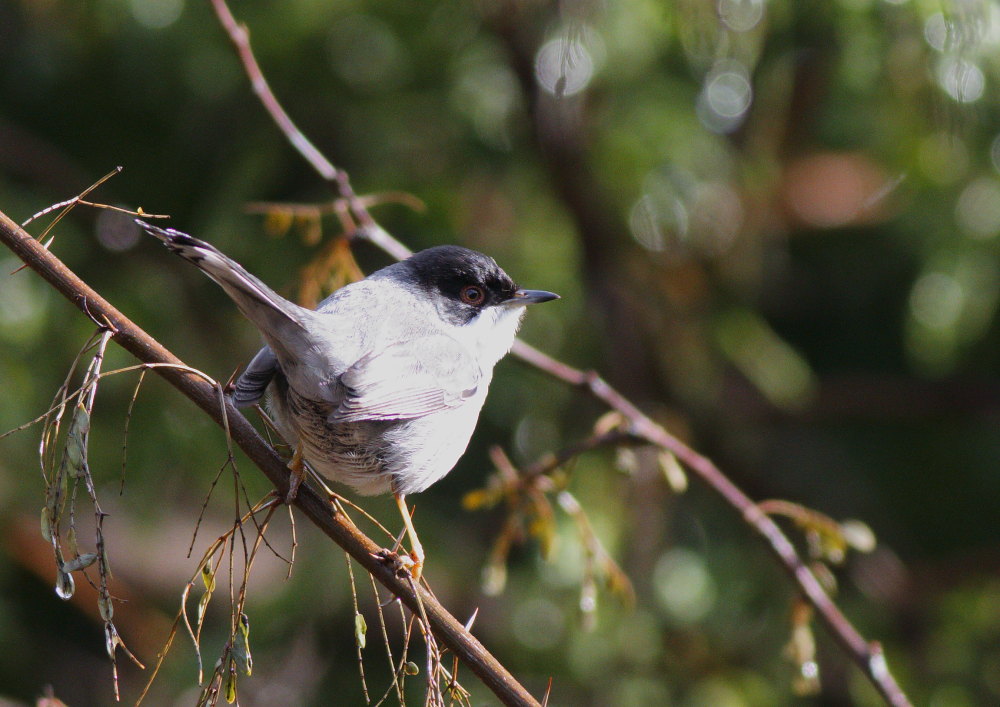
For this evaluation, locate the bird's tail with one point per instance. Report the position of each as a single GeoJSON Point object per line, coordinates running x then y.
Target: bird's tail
{"type": "Point", "coordinates": [275, 316]}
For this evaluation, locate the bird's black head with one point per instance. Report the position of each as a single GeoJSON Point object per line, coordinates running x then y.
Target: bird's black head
{"type": "Point", "coordinates": [466, 281]}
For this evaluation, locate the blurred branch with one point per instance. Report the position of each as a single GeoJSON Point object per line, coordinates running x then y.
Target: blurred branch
{"type": "Point", "coordinates": [316, 508]}
{"type": "Point", "coordinates": [366, 226]}
{"type": "Point", "coordinates": [868, 655]}
{"type": "Point", "coordinates": [589, 205]}
{"type": "Point", "coordinates": [240, 36]}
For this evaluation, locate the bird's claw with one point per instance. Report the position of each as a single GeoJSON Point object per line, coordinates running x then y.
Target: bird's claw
{"type": "Point", "coordinates": [402, 565]}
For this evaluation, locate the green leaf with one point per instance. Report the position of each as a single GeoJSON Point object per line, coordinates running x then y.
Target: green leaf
{"type": "Point", "coordinates": [230, 687]}
{"type": "Point", "coordinates": [360, 630]}
{"type": "Point", "coordinates": [241, 647]}
{"type": "Point", "coordinates": [203, 605]}
{"type": "Point", "coordinates": [208, 577]}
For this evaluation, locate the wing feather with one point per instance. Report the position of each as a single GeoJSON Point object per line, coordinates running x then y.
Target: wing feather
{"type": "Point", "coordinates": [408, 380]}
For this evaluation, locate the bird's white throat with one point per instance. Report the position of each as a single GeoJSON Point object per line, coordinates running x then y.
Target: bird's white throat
{"type": "Point", "coordinates": [492, 332]}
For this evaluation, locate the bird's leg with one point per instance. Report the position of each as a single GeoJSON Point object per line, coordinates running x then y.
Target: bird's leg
{"type": "Point", "coordinates": [297, 476]}
{"type": "Point", "coordinates": [416, 549]}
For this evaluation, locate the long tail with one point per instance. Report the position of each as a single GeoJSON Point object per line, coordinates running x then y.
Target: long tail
{"type": "Point", "coordinates": [279, 320]}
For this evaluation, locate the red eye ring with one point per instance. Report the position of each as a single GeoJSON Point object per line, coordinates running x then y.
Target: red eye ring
{"type": "Point", "coordinates": [472, 294]}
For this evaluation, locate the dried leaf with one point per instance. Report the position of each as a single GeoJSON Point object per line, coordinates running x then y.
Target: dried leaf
{"type": "Point", "coordinates": [80, 562]}
{"type": "Point", "coordinates": [626, 460]}
{"type": "Point", "coordinates": [801, 651]}
{"type": "Point", "coordinates": [278, 223]}
{"type": "Point", "coordinates": [858, 535]}
{"type": "Point", "coordinates": [673, 472]}
{"type": "Point", "coordinates": [608, 421]}
{"type": "Point", "coordinates": [106, 607]}
{"type": "Point", "coordinates": [71, 540]}
{"type": "Point", "coordinates": [112, 640]}
{"type": "Point", "coordinates": [494, 578]}
{"type": "Point", "coordinates": [476, 499]}
{"type": "Point", "coordinates": [46, 524]}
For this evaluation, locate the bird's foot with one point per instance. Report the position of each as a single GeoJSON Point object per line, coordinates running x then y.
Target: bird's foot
{"type": "Point", "coordinates": [403, 565]}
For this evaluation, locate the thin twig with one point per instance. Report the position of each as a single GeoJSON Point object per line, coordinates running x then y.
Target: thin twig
{"type": "Point", "coordinates": [359, 634]}
{"type": "Point", "coordinates": [241, 38]}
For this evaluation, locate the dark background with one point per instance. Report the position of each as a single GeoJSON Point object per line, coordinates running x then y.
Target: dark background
{"type": "Point", "coordinates": [774, 226]}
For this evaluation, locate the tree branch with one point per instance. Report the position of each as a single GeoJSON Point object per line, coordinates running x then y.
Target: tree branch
{"type": "Point", "coordinates": [317, 509]}
{"type": "Point", "coordinates": [868, 655]}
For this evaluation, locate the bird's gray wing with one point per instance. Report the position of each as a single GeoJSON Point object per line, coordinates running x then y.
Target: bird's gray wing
{"type": "Point", "coordinates": [408, 380]}
{"type": "Point", "coordinates": [252, 383]}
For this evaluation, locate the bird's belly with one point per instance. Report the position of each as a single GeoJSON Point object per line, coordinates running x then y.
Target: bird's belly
{"type": "Point", "coordinates": [353, 453]}
{"type": "Point", "coordinates": [374, 456]}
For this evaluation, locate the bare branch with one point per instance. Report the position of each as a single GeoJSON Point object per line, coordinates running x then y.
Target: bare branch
{"type": "Point", "coordinates": [240, 37]}
{"type": "Point", "coordinates": [868, 655]}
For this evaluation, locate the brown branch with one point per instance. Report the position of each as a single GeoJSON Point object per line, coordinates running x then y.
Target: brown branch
{"type": "Point", "coordinates": [868, 655]}
{"type": "Point", "coordinates": [550, 462]}
{"type": "Point", "coordinates": [317, 509]}
{"type": "Point", "coordinates": [367, 227]}
{"type": "Point", "coordinates": [241, 38]}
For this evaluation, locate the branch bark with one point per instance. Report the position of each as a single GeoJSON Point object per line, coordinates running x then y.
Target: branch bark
{"type": "Point", "coordinates": [317, 509]}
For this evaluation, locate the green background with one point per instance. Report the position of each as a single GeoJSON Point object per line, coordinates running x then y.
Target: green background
{"type": "Point", "coordinates": [774, 227]}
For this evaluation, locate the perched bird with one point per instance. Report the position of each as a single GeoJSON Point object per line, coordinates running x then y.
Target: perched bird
{"type": "Point", "coordinates": [380, 387]}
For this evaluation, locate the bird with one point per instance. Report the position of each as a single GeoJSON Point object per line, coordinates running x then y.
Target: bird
{"type": "Point", "coordinates": [380, 387]}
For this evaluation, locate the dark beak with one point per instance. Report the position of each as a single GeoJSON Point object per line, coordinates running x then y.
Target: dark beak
{"type": "Point", "coordinates": [532, 296]}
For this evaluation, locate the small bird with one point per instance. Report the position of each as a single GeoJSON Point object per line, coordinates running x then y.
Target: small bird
{"type": "Point", "coordinates": [380, 387]}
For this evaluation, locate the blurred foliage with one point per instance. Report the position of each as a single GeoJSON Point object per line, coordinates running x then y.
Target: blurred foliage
{"type": "Point", "coordinates": [773, 224]}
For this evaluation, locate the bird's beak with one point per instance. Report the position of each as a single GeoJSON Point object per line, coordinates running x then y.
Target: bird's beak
{"type": "Point", "coordinates": [532, 296]}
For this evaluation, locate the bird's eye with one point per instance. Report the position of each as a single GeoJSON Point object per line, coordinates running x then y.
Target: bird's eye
{"type": "Point", "coordinates": [472, 294]}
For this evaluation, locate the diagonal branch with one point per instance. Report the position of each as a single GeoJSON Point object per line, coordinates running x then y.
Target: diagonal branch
{"type": "Point", "coordinates": [241, 38]}
{"type": "Point", "coordinates": [318, 510]}
{"type": "Point", "coordinates": [868, 655]}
